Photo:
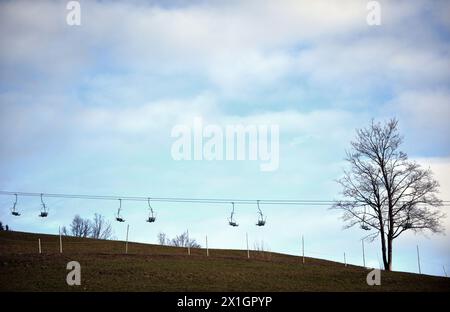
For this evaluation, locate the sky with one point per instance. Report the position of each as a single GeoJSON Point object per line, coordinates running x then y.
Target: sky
{"type": "Point", "coordinates": [90, 109]}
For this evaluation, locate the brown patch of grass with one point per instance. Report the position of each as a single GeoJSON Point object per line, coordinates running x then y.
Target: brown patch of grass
{"type": "Point", "coordinates": [105, 267]}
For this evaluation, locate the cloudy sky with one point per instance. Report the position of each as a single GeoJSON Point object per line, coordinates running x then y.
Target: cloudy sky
{"type": "Point", "coordinates": [89, 109]}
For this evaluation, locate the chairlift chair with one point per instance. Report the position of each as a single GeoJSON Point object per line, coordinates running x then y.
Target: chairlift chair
{"type": "Point", "coordinates": [408, 223]}
{"type": "Point", "coordinates": [232, 223]}
{"type": "Point", "coordinates": [230, 219]}
{"type": "Point", "coordinates": [14, 211]}
{"type": "Point", "coordinates": [44, 209]}
{"type": "Point", "coordinates": [261, 222]}
{"type": "Point", "coordinates": [151, 218]}
{"type": "Point", "coordinates": [261, 219]}
{"type": "Point", "coordinates": [364, 226]}
{"type": "Point", "coordinates": [118, 216]}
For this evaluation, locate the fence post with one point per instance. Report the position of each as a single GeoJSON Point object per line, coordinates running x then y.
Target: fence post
{"type": "Point", "coordinates": [345, 260]}
{"type": "Point", "coordinates": [60, 241]}
{"type": "Point", "coordinates": [188, 245]}
{"type": "Point", "coordinates": [126, 243]}
{"type": "Point", "coordinates": [207, 250]}
{"type": "Point", "coordinates": [303, 250]}
{"type": "Point", "coordinates": [418, 259]}
{"type": "Point", "coordinates": [248, 250]}
{"type": "Point", "coordinates": [39, 244]}
{"type": "Point", "coordinates": [363, 252]}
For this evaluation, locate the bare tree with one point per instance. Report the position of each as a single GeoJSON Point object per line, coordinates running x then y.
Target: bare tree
{"type": "Point", "coordinates": [163, 239]}
{"type": "Point", "coordinates": [183, 240]}
{"type": "Point", "coordinates": [64, 231]}
{"type": "Point", "coordinates": [5, 228]}
{"type": "Point", "coordinates": [388, 193]}
{"type": "Point", "coordinates": [262, 250]}
{"type": "Point", "coordinates": [258, 246]}
{"type": "Point", "coordinates": [80, 227]}
{"type": "Point", "coordinates": [100, 228]}
{"type": "Point", "coordinates": [180, 240]}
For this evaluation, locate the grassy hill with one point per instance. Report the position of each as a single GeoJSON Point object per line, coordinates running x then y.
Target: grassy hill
{"type": "Point", "coordinates": [105, 267]}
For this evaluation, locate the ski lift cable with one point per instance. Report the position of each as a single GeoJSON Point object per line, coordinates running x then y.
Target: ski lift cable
{"type": "Point", "coordinates": [307, 202]}
{"type": "Point", "coordinates": [169, 199]}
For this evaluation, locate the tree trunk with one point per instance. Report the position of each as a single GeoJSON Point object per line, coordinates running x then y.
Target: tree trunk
{"type": "Point", "coordinates": [389, 253]}
{"type": "Point", "coordinates": [383, 249]}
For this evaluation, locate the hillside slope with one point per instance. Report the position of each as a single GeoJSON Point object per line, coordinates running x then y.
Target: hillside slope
{"type": "Point", "coordinates": [105, 267]}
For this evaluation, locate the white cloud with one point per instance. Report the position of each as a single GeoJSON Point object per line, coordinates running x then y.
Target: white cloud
{"type": "Point", "coordinates": [234, 45]}
{"type": "Point", "coordinates": [423, 117]}
{"type": "Point", "coordinates": [424, 108]}
{"type": "Point", "coordinates": [441, 171]}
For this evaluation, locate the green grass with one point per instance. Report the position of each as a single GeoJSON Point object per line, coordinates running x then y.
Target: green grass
{"type": "Point", "coordinates": [105, 267]}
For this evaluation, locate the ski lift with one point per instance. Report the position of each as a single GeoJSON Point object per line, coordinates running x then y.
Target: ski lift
{"type": "Point", "coordinates": [261, 219]}
{"type": "Point", "coordinates": [14, 211]}
{"type": "Point", "coordinates": [230, 220]}
{"type": "Point", "coordinates": [408, 223]}
{"type": "Point", "coordinates": [118, 216]}
{"type": "Point", "coordinates": [151, 217]}
{"type": "Point", "coordinates": [364, 226]}
{"type": "Point", "coordinates": [44, 209]}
